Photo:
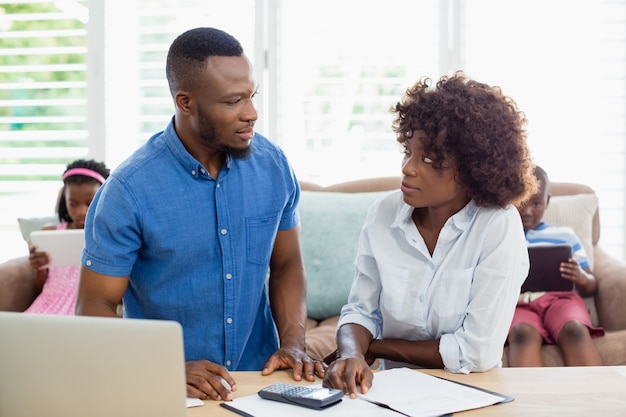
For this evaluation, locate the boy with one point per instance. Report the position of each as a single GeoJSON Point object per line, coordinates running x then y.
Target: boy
{"type": "Point", "coordinates": [558, 317]}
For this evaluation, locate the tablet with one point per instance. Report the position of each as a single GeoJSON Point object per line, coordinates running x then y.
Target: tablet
{"type": "Point", "coordinates": [544, 273]}
{"type": "Point", "coordinates": [64, 247]}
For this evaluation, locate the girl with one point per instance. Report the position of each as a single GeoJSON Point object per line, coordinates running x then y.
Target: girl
{"type": "Point", "coordinates": [58, 285]}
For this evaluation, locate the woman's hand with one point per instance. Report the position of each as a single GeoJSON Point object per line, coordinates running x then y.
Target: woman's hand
{"type": "Point", "coordinates": [352, 375]}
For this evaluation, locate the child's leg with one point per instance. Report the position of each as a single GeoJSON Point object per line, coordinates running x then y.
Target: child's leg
{"type": "Point", "coordinates": [525, 346]}
{"type": "Point", "coordinates": [568, 322]}
{"type": "Point", "coordinates": [577, 346]}
{"type": "Point", "coordinates": [525, 338]}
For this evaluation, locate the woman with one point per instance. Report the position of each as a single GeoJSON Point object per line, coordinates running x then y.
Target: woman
{"type": "Point", "coordinates": [440, 262]}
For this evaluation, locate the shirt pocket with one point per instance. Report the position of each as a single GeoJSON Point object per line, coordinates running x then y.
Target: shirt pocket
{"type": "Point", "coordinates": [452, 295]}
{"type": "Point", "coordinates": [395, 294]}
{"type": "Point", "coordinates": [260, 236]}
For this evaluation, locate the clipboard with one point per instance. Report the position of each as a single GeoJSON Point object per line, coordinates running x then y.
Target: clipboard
{"type": "Point", "coordinates": [505, 398]}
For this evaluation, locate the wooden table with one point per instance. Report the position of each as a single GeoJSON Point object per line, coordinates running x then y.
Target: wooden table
{"type": "Point", "coordinates": [564, 391]}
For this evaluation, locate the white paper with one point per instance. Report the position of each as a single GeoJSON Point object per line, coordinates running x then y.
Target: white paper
{"type": "Point", "coordinates": [194, 402]}
{"type": "Point", "coordinates": [422, 395]}
{"type": "Point", "coordinates": [406, 390]}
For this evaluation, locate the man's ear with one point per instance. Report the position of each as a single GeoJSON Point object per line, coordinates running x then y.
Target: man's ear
{"type": "Point", "coordinates": [183, 101]}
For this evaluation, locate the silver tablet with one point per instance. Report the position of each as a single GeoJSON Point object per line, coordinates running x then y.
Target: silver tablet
{"type": "Point", "coordinates": [64, 247]}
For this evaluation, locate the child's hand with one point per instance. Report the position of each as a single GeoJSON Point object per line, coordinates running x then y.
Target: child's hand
{"type": "Point", "coordinates": [38, 260]}
{"type": "Point", "coordinates": [571, 270]}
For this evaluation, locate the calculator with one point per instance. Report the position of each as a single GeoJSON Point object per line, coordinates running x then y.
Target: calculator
{"type": "Point", "coordinates": [311, 396]}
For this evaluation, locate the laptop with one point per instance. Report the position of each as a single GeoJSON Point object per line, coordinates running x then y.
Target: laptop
{"type": "Point", "coordinates": [77, 366]}
{"type": "Point", "coordinates": [64, 247]}
{"type": "Point", "coordinates": [544, 273]}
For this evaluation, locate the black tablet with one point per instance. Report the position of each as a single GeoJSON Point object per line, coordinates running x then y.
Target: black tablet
{"type": "Point", "coordinates": [544, 273]}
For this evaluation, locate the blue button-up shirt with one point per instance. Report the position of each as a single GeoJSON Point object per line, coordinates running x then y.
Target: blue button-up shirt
{"type": "Point", "coordinates": [196, 249]}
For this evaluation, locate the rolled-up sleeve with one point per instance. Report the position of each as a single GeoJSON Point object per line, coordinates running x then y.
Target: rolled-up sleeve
{"type": "Point", "coordinates": [362, 307]}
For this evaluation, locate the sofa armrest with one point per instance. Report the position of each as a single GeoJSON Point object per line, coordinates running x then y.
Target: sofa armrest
{"type": "Point", "coordinates": [17, 284]}
{"type": "Point", "coordinates": [611, 276]}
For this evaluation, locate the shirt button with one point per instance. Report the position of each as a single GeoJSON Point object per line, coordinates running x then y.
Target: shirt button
{"type": "Point", "coordinates": [229, 276]}
{"type": "Point", "coordinates": [193, 172]}
{"type": "Point", "coordinates": [228, 363]}
{"type": "Point", "coordinates": [421, 298]}
{"type": "Point", "coordinates": [218, 185]}
{"type": "Point", "coordinates": [229, 320]}
{"type": "Point", "coordinates": [88, 263]}
{"type": "Point", "coordinates": [223, 231]}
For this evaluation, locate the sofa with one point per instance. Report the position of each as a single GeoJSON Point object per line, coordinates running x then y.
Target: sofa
{"type": "Point", "coordinates": [332, 217]}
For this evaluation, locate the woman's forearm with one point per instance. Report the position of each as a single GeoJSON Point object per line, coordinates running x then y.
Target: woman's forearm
{"type": "Point", "coordinates": [353, 341]}
{"type": "Point", "coordinates": [424, 353]}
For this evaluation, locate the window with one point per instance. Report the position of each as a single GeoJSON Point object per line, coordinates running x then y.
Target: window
{"type": "Point", "coordinates": [43, 119]}
{"type": "Point", "coordinates": [340, 67]}
{"type": "Point", "coordinates": [329, 71]}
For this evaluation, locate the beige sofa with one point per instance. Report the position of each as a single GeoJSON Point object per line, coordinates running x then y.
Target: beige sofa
{"type": "Point", "coordinates": [574, 205]}
{"type": "Point", "coordinates": [331, 221]}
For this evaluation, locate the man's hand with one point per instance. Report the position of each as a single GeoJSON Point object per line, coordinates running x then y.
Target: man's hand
{"type": "Point", "coordinates": [346, 373]}
{"type": "Point", "coordinates": [296, 359]}
{"type": "Point", "coordinates": [208, 380]}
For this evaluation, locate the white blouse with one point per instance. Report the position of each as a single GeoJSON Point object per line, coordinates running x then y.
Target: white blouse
{"type": "Point", "coordinates": [464, 294]}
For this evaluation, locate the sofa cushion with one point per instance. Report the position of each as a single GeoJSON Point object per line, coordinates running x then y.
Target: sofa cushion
{"type": "Point", "coordinates": [320, 337]}
{"type": "Point", "coordinates": [30, 224]}
{"type": "Point", "coordinates": [331, 224]}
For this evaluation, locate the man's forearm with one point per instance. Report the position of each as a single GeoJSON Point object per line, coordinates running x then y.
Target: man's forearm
{"type": "Point", "coordinates": [288, 303]}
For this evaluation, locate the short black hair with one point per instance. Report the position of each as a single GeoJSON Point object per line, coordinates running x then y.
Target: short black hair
{"type": "Point", "coordinates": [542, 177]}
{"type": "Point", "coordinates": [189, 52]}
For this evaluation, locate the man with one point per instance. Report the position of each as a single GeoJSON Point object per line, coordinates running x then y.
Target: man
{"type": "Point", "coordinates": [186, 228]}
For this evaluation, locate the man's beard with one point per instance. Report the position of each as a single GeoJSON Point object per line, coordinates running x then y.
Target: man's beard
{"type": "Point", "coordinates": [208, 134]}
{"type": "Point", "coordinates": [236, 153]}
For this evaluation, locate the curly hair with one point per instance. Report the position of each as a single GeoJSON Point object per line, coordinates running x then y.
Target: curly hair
{"type": "Point", "coordinates": [91, 164]}
{"type": "Point", "coordinates": [189, 52]}
{"type": "Point", "coordinates": [476, 127]}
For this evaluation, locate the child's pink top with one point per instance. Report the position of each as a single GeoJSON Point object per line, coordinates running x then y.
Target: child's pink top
{"type": "Point", "coordinates": [58, 295]}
